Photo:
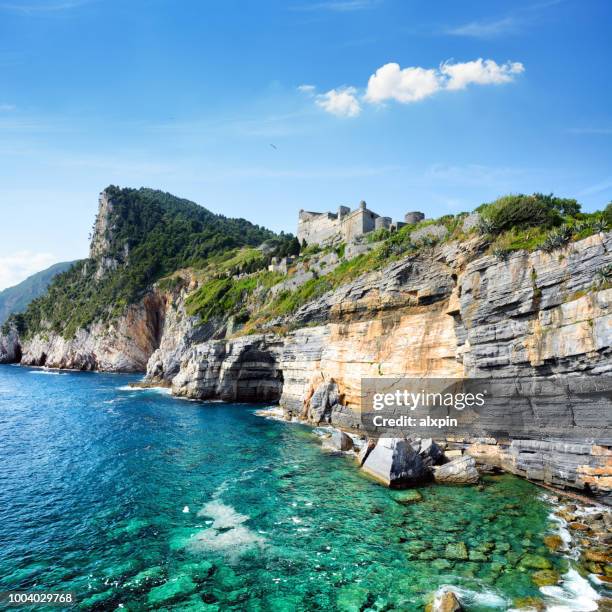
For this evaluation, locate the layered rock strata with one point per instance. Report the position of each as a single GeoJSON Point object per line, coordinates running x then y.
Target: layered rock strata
{"type": "Point", "coordinates": [448, 312]}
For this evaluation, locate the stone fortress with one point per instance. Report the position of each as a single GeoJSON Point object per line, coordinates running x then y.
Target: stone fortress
{"type": "Point", "coordinates": [346, 225]}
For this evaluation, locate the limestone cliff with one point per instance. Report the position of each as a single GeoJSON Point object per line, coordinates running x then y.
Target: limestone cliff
{"type": "Point", "coordinates": [124, 344]}
{"type": "Point", "coordinates": [449, 312]}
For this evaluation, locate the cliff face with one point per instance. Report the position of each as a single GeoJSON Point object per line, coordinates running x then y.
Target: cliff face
{"type": "Point", "coordinates": [451, 313]}
{"type": "Point", "coordinates": [446, 312]}
{"type": "Point", "coordinates": [122, 345]}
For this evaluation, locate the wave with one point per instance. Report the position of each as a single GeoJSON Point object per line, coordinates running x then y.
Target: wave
{"type": "Point", "coordinates": [574, 594]}
{"type": "Point", "coordinates": [224, 516]}
{"type": "Point", "coordinates": [162, 390]}
{"type": "Point", "coordinates": [485, 598]}
{"type": "Point", "coordinates": [47, 372]}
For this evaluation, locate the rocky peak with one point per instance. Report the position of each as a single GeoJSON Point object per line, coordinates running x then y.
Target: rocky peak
{"type": "Point", "coordinates": [100, 239]}
{"type": "Point", "coordinates": [101, 248]}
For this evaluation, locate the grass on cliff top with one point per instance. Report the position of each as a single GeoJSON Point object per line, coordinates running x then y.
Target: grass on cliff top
{"type": "Point", "coordinates": [511, 223]}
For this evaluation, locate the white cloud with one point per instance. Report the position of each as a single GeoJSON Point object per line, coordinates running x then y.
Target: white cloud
{"type": "Point", "coordinates": [390, 82]}
{"type": "Point", "coordinates": [341, 102]}
{"type": "Point", "coordinates": [18, 266]}
{"type": "Point", "coordinates": [481, 72]}
{"type": "Point", "coordinates": [5, 108]}
{"type": "Point", "coordinates": [307, 89]}
{"type": "Point", "coordinates": [414, 83]}
{"type": "Point", "coordinates": [486, 29]}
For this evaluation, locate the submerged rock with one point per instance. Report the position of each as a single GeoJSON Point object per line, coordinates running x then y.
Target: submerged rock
{"type": "Point", "coordinates": [535, 562]}
{"type": "Point", "coordinates": [456, 551]}
{"type": "Point", "coordinates": [178, 587]}
{"type": "Point", "coordinates": [151, 575]}
{"type": "Point", "coordinates": [545, 577]}
{"type": "Point", "coordinates": [394, 462]}
{"type": "Point", "coordinates": [351, 598]}
{"type": "Point", "coordinates": [408, 497]}
{"type": "Point", "coordinates": [529, 603]}
{"type": "Point", "coordinates": [459, 471]}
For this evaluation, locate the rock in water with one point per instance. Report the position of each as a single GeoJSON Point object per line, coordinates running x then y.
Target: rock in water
{"type": "Point", "coordinates": [430, 452]}
{"type": "Point", "coordinates": [395, 462]}
{"type": "Point", "coordinates": [321, 402]}
{"type": "Point", "coordinates": [459, 471]}
{"type": "Point", "coordinates": [445, 602]}
{"type": "Point", "coordinates": [339, 441]}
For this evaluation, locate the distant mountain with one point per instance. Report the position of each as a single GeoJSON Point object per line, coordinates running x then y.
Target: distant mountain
{"type": "Point", "coordinates": [16, 299]}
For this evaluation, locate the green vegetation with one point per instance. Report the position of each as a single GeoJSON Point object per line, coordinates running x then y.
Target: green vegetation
{"type": "Point", "coordinates": [152, 234]}
{"type": "Point", "coordinates": [523, 211]}
{"type": "Point", "coordinates": [227, 296]}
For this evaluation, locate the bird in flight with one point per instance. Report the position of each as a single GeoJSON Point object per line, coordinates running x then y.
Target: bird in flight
{"type": "Point", "coordinates": [274, 147]}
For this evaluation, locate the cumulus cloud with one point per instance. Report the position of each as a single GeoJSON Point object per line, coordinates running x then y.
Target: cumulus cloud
{"type": "Point", "coordinates": [390, 82]}
{"type": "Point", "coordinates": [341, 102]}
{"type": "Point", "coordinates": [18, 266]}
{"type": "Point", "coordinates": [414, 83]}
{"type": "Point", "coordinates": [480, 72]}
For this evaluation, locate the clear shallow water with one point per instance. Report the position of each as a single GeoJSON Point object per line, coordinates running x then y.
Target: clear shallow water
{"type": "Point", "coordinates": [97, 480]}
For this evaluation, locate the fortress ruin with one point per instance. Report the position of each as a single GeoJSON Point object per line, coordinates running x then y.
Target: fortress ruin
{"type": "Point", "coordinates": [346, 225]}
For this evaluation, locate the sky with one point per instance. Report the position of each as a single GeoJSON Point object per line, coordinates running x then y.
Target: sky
{"type": "Point", "coordinates": [258, 109]}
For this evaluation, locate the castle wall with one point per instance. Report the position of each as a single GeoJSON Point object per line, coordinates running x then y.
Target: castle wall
{"type": "Point", "coordinates": [359, 222]}
{"type": "Point", "coordinates": [317, 228]}
{"type": "Point", "coordinates": [325, 228]}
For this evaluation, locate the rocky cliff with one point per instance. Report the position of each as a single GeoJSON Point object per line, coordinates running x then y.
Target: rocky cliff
{"type": "Point", "coordinates": [450, 312]}
{"type": "Point", "coordinates": [124, 344]}
{"type": "Point", "coordinates": [446, 311]}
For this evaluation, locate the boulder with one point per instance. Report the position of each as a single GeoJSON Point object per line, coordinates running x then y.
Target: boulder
{"type": "Point", "coordinates": [394, 462]}
{"type": "Point", "coordinates": [324, 397]}
{"type": "Point", "coordinates": [339, 441]}
{"type": "Point", "coordinates": [459, 471]}
{"type": "Point", "coordinates": [429, 451]}
{"type": "Point", "coordinates": [445, 602]}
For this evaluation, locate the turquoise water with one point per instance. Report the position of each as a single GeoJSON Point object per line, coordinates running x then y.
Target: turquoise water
{"type": "Point", "coordinates": [134, 498]}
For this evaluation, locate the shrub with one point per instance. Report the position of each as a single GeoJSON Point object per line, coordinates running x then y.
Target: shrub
{"type": "Point", "coordinates": [603, 275]}
{"type": "Point", "coordinates": [557, 238]}
{"type": "Point", "coordinates": [519, 212]}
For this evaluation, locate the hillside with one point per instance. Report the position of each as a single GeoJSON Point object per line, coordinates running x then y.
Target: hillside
{"type": "Point", "coordinates": [139, 236]}
{"type": "Point", "coordinates": [16, 299]}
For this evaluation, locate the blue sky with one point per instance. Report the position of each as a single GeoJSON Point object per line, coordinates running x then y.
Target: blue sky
{"type": "Point", "coordinates": [382, 100]}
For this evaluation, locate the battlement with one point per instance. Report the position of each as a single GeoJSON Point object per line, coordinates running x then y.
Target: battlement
{"type": "Point", "coordinates": [345, 225]}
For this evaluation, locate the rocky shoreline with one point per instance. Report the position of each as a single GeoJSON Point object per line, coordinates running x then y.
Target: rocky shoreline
{"type": "Point", "coordinates": [449, 311]}
{"type": "Point", "coordinates": [579, 534]}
